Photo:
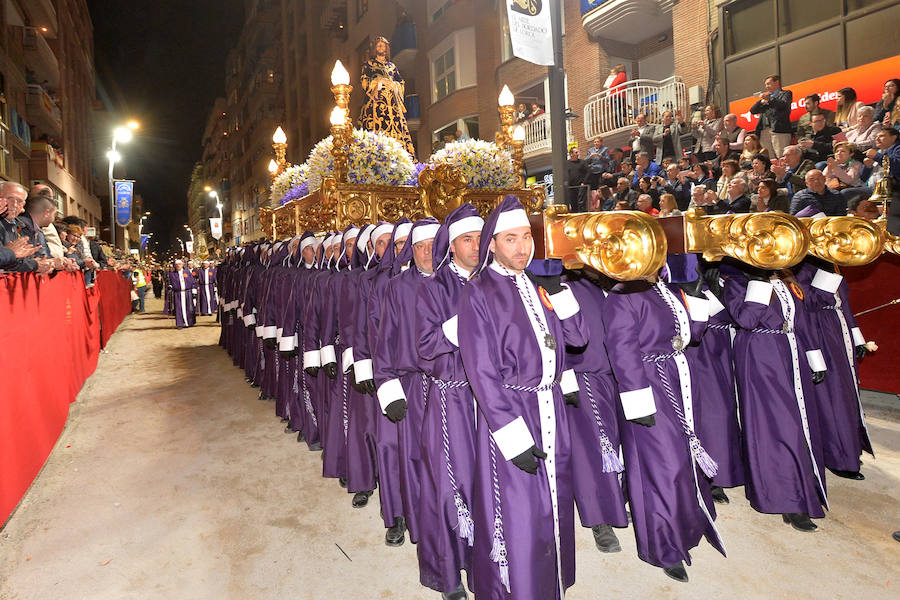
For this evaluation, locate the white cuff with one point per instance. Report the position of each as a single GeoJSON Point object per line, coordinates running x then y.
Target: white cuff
{"type": "Point", "coordinates": [279, 332]}
{"type": "Point", "coordinates": [715, 306]}
{"type": "Point", "coordinates": [363, 369]}
{"type": "Point", "coordinates": [259, 331]}
{"type": "Point", "coordinates": [311, 358]}
{"type": "Point", "coordinates": [250, 320]}
{"type": "Point", "coordinates": [450, 330]}
{"type": "Point", "coordinates": [286, 344]}
{"type": "Point", "coordinates": [759, 292]}
{"type": "Point", "coordinates": [347, 359]}
{"type": "Point", "coordinates": [637, 403]}
{"type": "Point", "coordinates": [568, 383]}
{"type": "Point", "coordinates": [858, 339]}
{"type": "Point", "coordinates": [513, 438]}
{"type": "Point", "coordinates": [816, 360]}
{"type": "Point", "coordinates": [388, 392]}
{"type": "Point", "coordinates": [564, 303]}
{"type": "Point", "coordinates": [826, 281]}
{"type": "Point", "coordinates": [326, 353]}
{"type": "Point", "coordinates": [269, 331]}
{"type": "Point", "coordinates": [240, 312]}
{"type": "Point", "coordinates": [698, 308]}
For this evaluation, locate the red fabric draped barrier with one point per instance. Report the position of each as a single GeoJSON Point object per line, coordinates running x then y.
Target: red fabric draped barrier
{"type": "Point", "coordinates": [50, 338]}
{"type": "Point", "coordinates": [871, 286]}
{"type": "Point", "coordinates": [115, 302]}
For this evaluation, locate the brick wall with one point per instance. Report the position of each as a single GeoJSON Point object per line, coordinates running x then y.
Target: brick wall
{"type": "Point", "coordinates": [689, 23]}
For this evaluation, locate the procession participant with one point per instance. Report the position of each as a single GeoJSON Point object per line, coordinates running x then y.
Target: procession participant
{"type": "Point", "coordinates": [593, 426]}
{"type": "Point", "coordinates": [448, 427]}
{"type": "Point", "coordinates": [168, 305]}
{"type": "Point", "coordinates": [402, 386]}
{"type": "Point", "coordinates": [712, 362]}
{"type": "Point", "coordinates": [182, 282]}
{"type": "Point", "coordinates": [648, 325]}
{"type": "Point", "coordinates": [841, 415]}
{"type": "Point", "coordinates": [208, 293]}
{"type": "Point", "coordinates": [511, 337]}
{"type": "Point", "coordinates": [778, 360]}
{"type": "Point", "coordinates": [266, 325]}
{"type": "Point", "coordinates": [386, 432]}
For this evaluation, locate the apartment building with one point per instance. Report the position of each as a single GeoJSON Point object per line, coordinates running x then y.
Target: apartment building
{"type": "Point", "coordinates": [47, 100]}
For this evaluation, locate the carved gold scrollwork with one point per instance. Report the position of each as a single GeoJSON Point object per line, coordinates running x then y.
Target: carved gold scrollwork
{"type": "Point", "coordinates": [442, 188]}
{"type": "Point", "coordinates": [355, 207]}
{"type": "Point", "coordinates": [846, 241]}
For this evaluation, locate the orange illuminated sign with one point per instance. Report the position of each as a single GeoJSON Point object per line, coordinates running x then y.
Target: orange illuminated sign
{"type": "Point", "coordinates": [868, 81]}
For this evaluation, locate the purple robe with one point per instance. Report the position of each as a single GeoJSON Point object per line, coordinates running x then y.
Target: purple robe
{"type": "Point", "coordinates": [841, 415]}
{"type": "Point", "coordinates": [206, 296]}
{"type": "Point", "coordinates": [183, 284]}
{"type": "Point", "coordinates": [647, 327]}
{"type": "Point", "coordinates": [448, 436]}
{"type": "Point", "coordinates": [525, 521]}
{"type": "Point", "coordinates": [593, 424]}
{"type": "Point", "coordinates": [779, 414]}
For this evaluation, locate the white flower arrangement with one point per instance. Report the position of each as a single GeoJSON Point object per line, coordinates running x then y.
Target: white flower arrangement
{"type": "Point", "coordinates": [292, 176]}
{"type": "Point", "coordinates": [484, 164]}
{"type": "Point", "coordinates": [374, 159]}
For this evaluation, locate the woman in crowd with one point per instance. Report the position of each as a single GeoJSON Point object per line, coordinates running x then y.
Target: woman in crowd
{"type": "Point", "coordinates": [706, 131]}
{"type": "Point", "coordinates": [766, 198]}
{"type": "Point", "coordinates": [617, 76]}
{"type": "Point", "coordinates": [887, 110]}
{"type": "Point", "coordinates": [842, 171]}
{"type": "Point", "coordinates": [667, 206]}
{"type": "Point", "coordinates": [703, 175]}
{"type": "Point", "coordinates": [847, 108]}
{"type": "Point", "coordinates": [752, 147]}
{"type": "Point", "coordinates": [648, 185]}
{"type": "Point", "coordinates": [760, 168]}
{"type": "Point", "coordinates": [863, 134]}
{"type": "Point", "coordinates": [730, 170]}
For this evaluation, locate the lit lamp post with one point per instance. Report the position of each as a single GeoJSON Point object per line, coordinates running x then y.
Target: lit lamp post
{"type": "Point", "coordinates": [279, 143]}
{"type": "Point", "coordinates": [518, 158]}
{"type": "Point", "coordinates": [340, 85]}
{"type": "Point", "coordinates": [120, 135]}
{"type": "Point", "coordinates": [339, 141]}
{"type": "Point", "coordinates": [506, 108]}
{"type": "Point", "coordinates": [192, 240]}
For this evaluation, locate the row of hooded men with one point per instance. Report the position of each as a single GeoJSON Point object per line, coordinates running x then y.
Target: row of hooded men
{"type": "Point", "coordinates": [487, 397]}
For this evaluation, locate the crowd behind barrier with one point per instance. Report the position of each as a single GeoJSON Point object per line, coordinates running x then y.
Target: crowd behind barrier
{"type": "Point", "coordinates": [53, 329]}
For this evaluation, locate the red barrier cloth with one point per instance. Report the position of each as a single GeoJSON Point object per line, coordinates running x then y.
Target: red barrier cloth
{"type": "Point", "coordinates": [870, 286]}
{"type": "Point", "coordinates": [50, 336]}
{"type": "Point", "coordinates": [115, 302]}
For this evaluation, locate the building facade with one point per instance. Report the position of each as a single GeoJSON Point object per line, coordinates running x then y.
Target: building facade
{"type": "Point", "coordinates": [47, 101]}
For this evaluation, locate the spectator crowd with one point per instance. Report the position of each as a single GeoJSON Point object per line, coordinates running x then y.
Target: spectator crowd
{"type": "Point", "coordinates": [825, 163]}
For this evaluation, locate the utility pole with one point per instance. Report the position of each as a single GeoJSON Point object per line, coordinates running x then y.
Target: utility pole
{"type": "Point", "coordinates": [556, 76]}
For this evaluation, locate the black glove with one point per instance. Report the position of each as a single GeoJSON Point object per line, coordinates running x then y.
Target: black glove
{"type": "Point", "coordinates": [270, 343]}
{"type": "Point", "coordinates": [648, 421]}
{"type": "Point", "coordinates": [311, 371]}
{"type": "Point", "coordinates": [367, 386]}
{"type": "Point", "coordinates": [861, 351]}
{"type": "Point", "coordinates": [330, 370]}
{"type": "Point", "coordinates": [527, 461]}
{"type": "Point", "coordinates": [352, 375]}
{"type": "Point", "coordinates": [756, 274]}
{"type": "Point", "coordinates": [571, 398]}
{"type": "Point", "coordinates": [396, 410]}
{"type": "Point", "coordinates": [551, 283]}
{"type": "Point", "coordinates": [251, 327]}
{"type": "Point", "coordinates": [818, 376]}
{"type": "Point", "coordinates": [287, 354]}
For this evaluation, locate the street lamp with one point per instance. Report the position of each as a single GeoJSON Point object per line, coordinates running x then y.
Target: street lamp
{"type": "Point", "coordinates": [120, 135]}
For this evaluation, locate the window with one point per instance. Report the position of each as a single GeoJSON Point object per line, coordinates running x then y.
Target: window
{"type": "Point", "coordinates": [824, 45]}
{"type": "Point", "coordinates": [437, 8]}
{"type": "Point", "coordinates": [866, 36]}
{"type": "Point", "coordinates": [506, 51]}
{"type": "Point", "coordinates": [444, 75]}
{"type": "Point", "coordinates": [362, 7]}
{"type": "Point", "coordinates": [748, 25]}
{"type": "Point", "coordinates": [794, 15]}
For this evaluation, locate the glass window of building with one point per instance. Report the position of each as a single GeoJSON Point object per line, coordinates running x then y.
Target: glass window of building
{"type": "Point", "coordinates": [748, 25]}
{"type": "Point", "coordinates": [444, 70]}
{"type": "Point", "coordinates": [873, 37]}
{"type": "Point", "coordinates": [794, 15]}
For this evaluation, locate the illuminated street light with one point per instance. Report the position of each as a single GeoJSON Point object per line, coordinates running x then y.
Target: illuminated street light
{"type": "Point", "coordinates": [113, 156]}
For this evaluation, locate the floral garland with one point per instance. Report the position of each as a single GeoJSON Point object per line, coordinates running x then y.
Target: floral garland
{"type": "Point", "coordinates": [483, 164]}
{"type": "Point", "coordinates": [291, 177]}
{"type": "Point", "coordinates": [374, 159]}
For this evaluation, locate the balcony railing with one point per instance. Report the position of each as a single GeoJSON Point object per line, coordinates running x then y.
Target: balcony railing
{"type": "Point", "coordinates": [39, 57]}
{"type": "Point", "coordinates": [612, 111]}
{"type": "Point", "coordinates": [537, 134]}
{"type": "Point", "coordinates": [42, 111]}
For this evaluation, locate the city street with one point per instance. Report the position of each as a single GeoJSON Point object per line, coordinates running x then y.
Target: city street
{"type": "Point", "coordinates": [172, 480]}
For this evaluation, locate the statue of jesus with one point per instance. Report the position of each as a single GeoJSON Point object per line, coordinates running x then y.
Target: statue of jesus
{"type": "Point", "coordinates": [384, 110]}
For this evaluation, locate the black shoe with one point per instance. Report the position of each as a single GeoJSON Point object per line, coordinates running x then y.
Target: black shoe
{"type": "Point", "coordinates": [719, 496]}
{"type": "Point", "coordinates": [315, 447]}
{"type": "Point", "coordinates": [457, 594]}
{"type": "Point", "coordinates": [799, 521]}
{"type": "Point", "coordinates": [677, 572]}
{"type": "Point", "coordinates": [896, 535]}
{"type": "Point", "coordinates": [253, 384]}
{"type": "Point", "coordinates": [394, 536]}
{"type": "Point", "coordinates": [360, 499]}
{"type": "Point", "coordinates": [248, 380]}
{"type": "Point", "coordinates": [284, 419]}
{"type": "Point", "coordinates": [856, 475]}
{"type": "Point", "coordinates": [605, 539]}
{"type": "Point", "coordinates": [342, 481]}
{"type": "Point", "coordinates": [288, 428]}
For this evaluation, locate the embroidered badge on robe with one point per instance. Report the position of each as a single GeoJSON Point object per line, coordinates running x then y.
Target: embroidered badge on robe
{"type": "Point", "coordinates": [797, 290]}
{"type": "Point", "coordinates": [545, 298]}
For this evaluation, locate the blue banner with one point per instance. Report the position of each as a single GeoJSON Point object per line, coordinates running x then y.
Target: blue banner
{"type": "Point", "coordinates": [589, 5]}
{"type": "Point", "coordinates": [124, 194]}
{"type": "Point", "coordinates": [144, 238]}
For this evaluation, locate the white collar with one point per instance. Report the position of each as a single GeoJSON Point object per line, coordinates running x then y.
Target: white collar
{"type": "Point", "coordinates": [459, 270]}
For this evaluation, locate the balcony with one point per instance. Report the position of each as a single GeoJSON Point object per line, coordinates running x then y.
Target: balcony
{"type": "Point", "coordinates": [403, 46]}
{"type": "Point", "coordinates": [537, 135]}
{"type": "Point", "coordinates": [42, 111]}
{"type": "Point", "coordinates": [413, 112]}
{"type": "Point", "coordinates": [610, 114]}
{"type": "Point", "coordinates": [41, 13]}
{"type": "Point", "coordinates": [627, 21]}
{"type": "Point", "coordinates": [39, 57]}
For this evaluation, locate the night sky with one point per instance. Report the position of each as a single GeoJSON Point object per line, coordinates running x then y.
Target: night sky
{"type": "Point", "coordinates": [162, 62]}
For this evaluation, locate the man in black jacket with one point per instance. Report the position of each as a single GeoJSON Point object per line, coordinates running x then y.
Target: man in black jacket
{"type": "Point", "coordinates": [774, 110]}
{"type": "Point", "coordinates": [820, 143]}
